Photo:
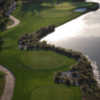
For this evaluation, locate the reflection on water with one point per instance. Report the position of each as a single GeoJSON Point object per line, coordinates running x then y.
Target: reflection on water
{"type": "Point", "coordinates": [81, 34]}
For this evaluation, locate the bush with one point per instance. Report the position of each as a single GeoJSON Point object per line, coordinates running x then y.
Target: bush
{"type": "Point", "coordinates": [2, 74]}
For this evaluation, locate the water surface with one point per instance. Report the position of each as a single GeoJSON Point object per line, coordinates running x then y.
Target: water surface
{"type": "Point", "coordinates": [81, 34]}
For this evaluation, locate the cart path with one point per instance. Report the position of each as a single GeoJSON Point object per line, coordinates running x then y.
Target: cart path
{"type": "Point", "coordinates": [16, 22]}
{"type": "Point", "coordinates": [9, 84]}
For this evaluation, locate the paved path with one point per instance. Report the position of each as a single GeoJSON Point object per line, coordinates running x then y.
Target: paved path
{"type": "Point", "coordinates": [16, 22]}
{"type": "Point", "coordinates": [9, 84]}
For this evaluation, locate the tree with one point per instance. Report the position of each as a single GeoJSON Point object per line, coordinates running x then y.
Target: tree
{"type": "Point", "coordinates": [67, 82]}
{"type": "Point", "coordinates": [5, 6]}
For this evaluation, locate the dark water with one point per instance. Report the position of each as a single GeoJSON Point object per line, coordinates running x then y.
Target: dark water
{"type": "Point", "coordinates": [81, 34]}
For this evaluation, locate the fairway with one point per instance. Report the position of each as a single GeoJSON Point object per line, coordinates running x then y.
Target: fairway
{"type": "Point", "coordinates": [32, 81]}
{"type": "Point", "coordinates": [56, 93]}
{"type": "Point", "coordinates": [34, 70]}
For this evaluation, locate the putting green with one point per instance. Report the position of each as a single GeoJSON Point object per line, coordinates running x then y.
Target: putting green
{"type": "Point", "coordinates": [44, 60]}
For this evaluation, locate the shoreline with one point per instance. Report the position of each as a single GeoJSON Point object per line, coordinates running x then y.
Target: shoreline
{"type": "Point", "coordinates": [95, 70]}
{"type": "Point", "coordinates": [93, 63]}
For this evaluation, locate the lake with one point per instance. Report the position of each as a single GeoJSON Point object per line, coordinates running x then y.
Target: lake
{"type": "Point", "coordinates": [81, 34]}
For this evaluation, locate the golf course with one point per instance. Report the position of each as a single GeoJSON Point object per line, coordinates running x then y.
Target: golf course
{"type": "Point", "coordinates": [34, 70]}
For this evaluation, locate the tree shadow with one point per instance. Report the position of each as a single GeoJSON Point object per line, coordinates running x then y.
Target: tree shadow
{"type": "Point", "coordinates": [1, 43]}
{"type": "Point", "coordinates": [38, 7]}
{"type": "Point", "coordinates": [33, 8]}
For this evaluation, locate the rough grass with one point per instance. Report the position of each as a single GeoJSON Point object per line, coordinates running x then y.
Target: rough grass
{"type": "Point", "coordinates": [2, 82]}
{"type": "Point", "coordinates": [34, 70]}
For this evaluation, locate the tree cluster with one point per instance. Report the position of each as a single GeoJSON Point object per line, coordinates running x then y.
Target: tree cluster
{"type": "Point", "coordinates": [4, 8]}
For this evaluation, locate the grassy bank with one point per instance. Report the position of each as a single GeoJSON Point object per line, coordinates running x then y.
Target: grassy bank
{"type": "Point", "coordinates": [34, 70]}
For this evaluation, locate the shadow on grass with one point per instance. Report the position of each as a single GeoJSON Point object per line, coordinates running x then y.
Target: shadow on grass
{"type": "Point", "coordinates": [1, 43]}
{"type": "Point", "coordinates": [34, 8]}
{"type": "Point", "coordinates": [38, 7]}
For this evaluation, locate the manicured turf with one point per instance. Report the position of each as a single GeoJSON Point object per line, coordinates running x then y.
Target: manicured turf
{"type": "Point", "coordinates": [47, 62]}
{"type": "Point", "coordinates": [56, 93]}
{"type": "Point", "coordinates": [34, 70]}
{"type": "Point", "coordinates": [31, 79]}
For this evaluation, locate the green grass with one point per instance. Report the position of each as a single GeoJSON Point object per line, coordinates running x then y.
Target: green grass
{"type": "Point", "coordinates": [2, 82]}
{"type": "Point", "coordinates": [34, 70]}
{"type": "Point", "coordinates": [56, 93]}
{"type": "Point", "coordinates": [30, 79]}
{"type": "Point", "coordinates": [33, 59]}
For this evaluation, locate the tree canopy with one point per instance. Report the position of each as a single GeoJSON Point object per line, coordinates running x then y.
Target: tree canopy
{"type": "Point", "coordinates": [4, 8]}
